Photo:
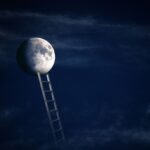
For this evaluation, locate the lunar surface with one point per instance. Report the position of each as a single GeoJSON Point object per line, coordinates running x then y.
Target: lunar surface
{"type": "Point", "coordinates": [36, 55]}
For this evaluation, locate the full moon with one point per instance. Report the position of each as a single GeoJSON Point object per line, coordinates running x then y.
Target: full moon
{"type": "Point", "coordinates": [36, 55]}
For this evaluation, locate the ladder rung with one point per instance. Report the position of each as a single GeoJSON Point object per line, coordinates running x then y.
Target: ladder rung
{"type": "Point", "coordinates": [53, 110]}
{"type": "Point", "coordinates": [46, 81]}
{"type": "Point", "coordinates": [50, 100]}
{"type": "Point", "coordinates": [55, 120]}
{"type": "Point", "coordinates": [60, 129]}
{"type": "Point", "coordinates": [47, 91]}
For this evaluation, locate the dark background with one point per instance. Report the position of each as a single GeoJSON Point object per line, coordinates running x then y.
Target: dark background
{"type": "Point", "coordinates": [100, 78]}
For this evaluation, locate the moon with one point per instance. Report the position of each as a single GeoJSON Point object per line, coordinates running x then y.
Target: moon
{"type": "Point", "coordinates": [36, 55]}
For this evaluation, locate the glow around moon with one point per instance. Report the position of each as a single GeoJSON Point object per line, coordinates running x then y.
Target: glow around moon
{"type": "Point", "coordinates": [36, 55]}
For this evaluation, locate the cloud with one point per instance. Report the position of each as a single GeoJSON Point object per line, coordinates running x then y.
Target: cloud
{"type": "Point", "coordinates": [9, 113]}
{"type": "Point", "coordinates": [65, 19]}
{"type": "Point", "coordinates": [97, 138]}
{"type": "Point", "coordinates": [79, 41]}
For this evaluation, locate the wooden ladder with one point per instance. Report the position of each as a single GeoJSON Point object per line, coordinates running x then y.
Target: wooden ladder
{"type": "Point", "coordinates": [51, 108]}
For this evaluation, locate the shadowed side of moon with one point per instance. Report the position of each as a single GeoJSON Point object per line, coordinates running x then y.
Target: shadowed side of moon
{"type": "Point", "coordinates": [21, 58]}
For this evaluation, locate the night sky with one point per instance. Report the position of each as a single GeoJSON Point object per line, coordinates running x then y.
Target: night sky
{"type": "Point", "coordinates": [101, 77]}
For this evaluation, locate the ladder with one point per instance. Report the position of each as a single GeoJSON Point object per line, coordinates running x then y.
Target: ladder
{"type": "Point", "coordinates": [51, 108]}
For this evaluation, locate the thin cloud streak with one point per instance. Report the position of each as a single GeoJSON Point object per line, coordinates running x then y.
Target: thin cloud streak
{"type": "Point", "coordinates": [78, 41]}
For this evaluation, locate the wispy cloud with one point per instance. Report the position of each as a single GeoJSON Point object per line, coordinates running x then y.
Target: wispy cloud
{"type": "Point", "coordinates": [78, 41]}
{"type": "Point", "coordinates": [9, 113]}
{"type": "Point", "coordinates": [96, 138]}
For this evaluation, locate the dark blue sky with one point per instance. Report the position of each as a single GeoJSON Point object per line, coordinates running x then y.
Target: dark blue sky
{"type": "Point", "coordinates": [100, 79]}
